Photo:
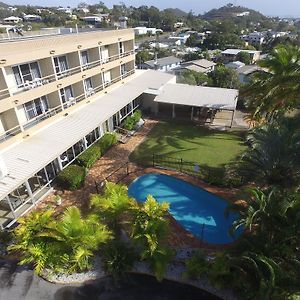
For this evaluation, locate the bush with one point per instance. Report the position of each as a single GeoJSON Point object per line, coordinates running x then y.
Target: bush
{"type": "Point", "coordinates": [107, 141]}
{"type": "Point", "coordinates": [89, 156]}
{"type": "Point", "coordinates": [196, 266]}
{"type": "Point", "coordinates": [119, 259]}
{"type": "Point", "coordinates": [72, 177]}
{"type": "Point", "coordinates": [131, 121]}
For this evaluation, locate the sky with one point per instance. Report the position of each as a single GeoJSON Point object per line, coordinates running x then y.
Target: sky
{"type": "Point", "coordinates": [267, 7]}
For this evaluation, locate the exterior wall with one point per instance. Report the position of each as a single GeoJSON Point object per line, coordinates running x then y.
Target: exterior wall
{"type": "Point", "coordinates": [19, 52]}
{"type": "Point", "coordinates": [148, 104]}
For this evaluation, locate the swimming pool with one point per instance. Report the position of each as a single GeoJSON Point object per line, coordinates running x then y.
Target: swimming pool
{"type": "Point", "coordinates": [198, 211]}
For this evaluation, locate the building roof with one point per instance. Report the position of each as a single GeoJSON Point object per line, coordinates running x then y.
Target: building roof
{"type": "Point", "coordinates": [247, 70]}
{"type": "Point", "coordinates": [204, 63]}
{"type": "Point", "coordinates": [164, 61]}
{"type": "Point", "coordinates": [184, 94]}
{"type": "Point", "coordinates": [27, 157]}
{"type": "Point", "coordinates": [236, 51]}
{"type": "Point", "coordinates": [195, 68]}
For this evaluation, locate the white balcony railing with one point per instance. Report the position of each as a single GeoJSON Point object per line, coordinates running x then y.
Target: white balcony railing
{"type": "Point", "coordinates": [37, 82]}
{"type": "Point", "coordinates": [55, 110]}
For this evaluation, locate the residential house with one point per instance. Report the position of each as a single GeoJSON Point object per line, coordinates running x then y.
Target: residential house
{"type": "Point", "coordinates": [231, 54]}
{"type": "Point", "coordinates": [164, 64]}
{"type": "Point", "coordinates": [199, 65]}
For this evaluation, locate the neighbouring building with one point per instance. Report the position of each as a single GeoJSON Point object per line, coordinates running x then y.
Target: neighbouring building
{"type": "Point", "coordinates": [199, 65]}
{"type": "Point", "coordinates": [230, 55]}
{"type": "Point", "coordinates": [165, 64]}
{"type": "Point", "coordinates": [12, 20]}
{"type": "Point", "coordinates": [32, 18]}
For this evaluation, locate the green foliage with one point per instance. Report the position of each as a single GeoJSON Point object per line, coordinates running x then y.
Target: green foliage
{"type": "Point", "coordinates": [224, 78]}
{"type": "Point", "coordinates": [149, 230]}
{"type": "Point", "coordinates": [273, 157]}
{"type": "Point", "coordinates": [131, 121]}
{"type": "Point", "coordinates": [89, 156]}
{"type": "Point", "coordinates": [197, 266]}
{"type": "Point", "coordinates": [113, 204]}
{"type": "Point", "coordinates": [271, 94]}
{"type": "Point", "coordinates": [194, 78]}
{"type": "Point", "coordinates": [72, 177]}
{"type": "Point", "coordinates": [118, 259]}
{"type": "Point", "coordinates": [106, 142]}
{"type": "Point", "coordinates": [64, 245]}
{"type": "Point", "coordinates": [5, 237]}
{"type": "Point", "coordinates": [143, 56]}
{"type": "Point", "coordinates": [244, 57]}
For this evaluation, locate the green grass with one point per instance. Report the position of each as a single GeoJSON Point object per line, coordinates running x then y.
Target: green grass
{"type": "Point", "coordinates": [191, 143]}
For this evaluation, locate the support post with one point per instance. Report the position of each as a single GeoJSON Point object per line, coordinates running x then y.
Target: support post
{"type": "Point", "coordinates": [232, 118]}
{"type": "Point", "coordinates": [11, 208]}
{"type": "Point", "coordinates": [173, 111]}
{"type": "Point", "coordinates": [192, 113]}
{"type": "Point", "coordinates": [29, 191]}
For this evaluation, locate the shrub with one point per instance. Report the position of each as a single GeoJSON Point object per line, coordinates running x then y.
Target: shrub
{"type": "Point", "coordinates": [118, 259]}
{"type": "Point", "coordinates": [89, 156]}
{"type": "Point", "coordinates": [131, 121]}
{"type": "Point", "coordinates": [72, 177]}
{"type": "Point", "coordinates": [107, 141]}
{"type": "Point", "coordinates": [196, 266]}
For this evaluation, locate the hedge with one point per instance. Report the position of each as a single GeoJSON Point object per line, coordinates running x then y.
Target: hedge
{"type": "Point", "coordinates": [107, 141]}
{"type": "Point", "coordinates": [89, 156]}
{"type": "Point", "coordinates": [131, 121]}
{"type": "Point", "coordinates": [72, 177]}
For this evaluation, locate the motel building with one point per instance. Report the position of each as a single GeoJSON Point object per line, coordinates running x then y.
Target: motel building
{"type": "Point", "coordinates": [60, 93]}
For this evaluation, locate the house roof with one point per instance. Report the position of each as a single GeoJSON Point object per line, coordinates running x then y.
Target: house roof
{"type": "Point", "coordinates": [164, 61]}
{"type": "Point", "coordinates": [193, 68]}
{"type": "Point", "coordinates": [27, 157]}
{"type": "Point", "coordinates": [247, 70]}
{"type": "Point", "coordinates": [204, 63]}
{"type": "Point", "coordinates": [236, 51]}
{"type": "Point", "coordinates": [184, 94]}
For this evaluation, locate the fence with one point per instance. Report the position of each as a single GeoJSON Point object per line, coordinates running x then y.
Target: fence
{"type": "Point", "coordinates": [178, 164]}
{"type": "Point", "coordinates": [116, 176]}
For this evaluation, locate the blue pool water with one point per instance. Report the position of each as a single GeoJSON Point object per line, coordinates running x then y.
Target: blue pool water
{"type": "Point", "coordinates": [191, 206]}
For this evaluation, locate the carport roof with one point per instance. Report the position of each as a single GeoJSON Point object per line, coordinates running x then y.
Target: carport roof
{"type": "Point", "coordinates": [183, 94]}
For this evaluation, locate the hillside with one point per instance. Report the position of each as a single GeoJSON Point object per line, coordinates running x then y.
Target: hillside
{"type": "Point", "coordinates": [177, 12]}
{"type": "Point", "coordinates": [2, 4]}
{"type": "Point", "coordinates": [230, 11]}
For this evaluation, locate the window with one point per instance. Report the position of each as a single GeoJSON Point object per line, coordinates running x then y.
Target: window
{"type": "Point", "coordinates": [106, 77]}
{"type": "Point", "coordinates": [84, 58]}
{"type": "Point", "coordinates": [88, 87]}
{"type": "Point", "coordinates": [123, 69]}
{"type": "Point", "coordinates": [61, 65]}
{"type": "Point", "coordinates": [66, 94]}
{"type": "Point", "coordinates": [121, 47]}
{"type": "Point", "coordinates": [104, 56]}
{"type": "Point", "coordinates": [36, 107]}
{"type": "Point", "coordinates": [26, 73]}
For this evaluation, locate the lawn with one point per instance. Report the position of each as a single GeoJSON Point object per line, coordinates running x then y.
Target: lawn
{"type": "Point", "coordinates": [191, 143]}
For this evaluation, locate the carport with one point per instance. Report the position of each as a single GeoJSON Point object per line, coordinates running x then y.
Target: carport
{"type": "Point", "coordinates": [199, 103]}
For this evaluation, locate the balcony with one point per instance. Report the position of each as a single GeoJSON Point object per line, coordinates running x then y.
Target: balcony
{"type": "Point", "coordinates": [38, 82]}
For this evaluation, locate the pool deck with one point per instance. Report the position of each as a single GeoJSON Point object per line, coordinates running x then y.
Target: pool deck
{"type": "Point", "coordinates": [112, 160]}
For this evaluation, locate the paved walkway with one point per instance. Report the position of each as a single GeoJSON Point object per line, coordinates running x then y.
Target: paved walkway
{"type": "Point", "coordinates": [114, 158]}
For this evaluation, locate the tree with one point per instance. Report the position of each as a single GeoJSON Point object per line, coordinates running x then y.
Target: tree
{"type": "Point", "coordinates": [194, 78]}
{"type": "Point", "coordinates": [274, 92]}
{"type": "Point", "coordinates": [224, 78]}
{"type": "Point", "coordinates": [149, 230]}
{"type": "Point", "coordinates": [142, 56]}
{"type": "Point", "coordinates": [64, 245]}
{"type": "Point", "coordinates": [273, 157]}
{"type": "Point", "coordinates": [244, 57]}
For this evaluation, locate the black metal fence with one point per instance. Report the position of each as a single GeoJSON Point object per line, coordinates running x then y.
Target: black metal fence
{"type": "Point", "coordinates": [116, 176]}
{"type": "Point", "coordinates": [178, 164]}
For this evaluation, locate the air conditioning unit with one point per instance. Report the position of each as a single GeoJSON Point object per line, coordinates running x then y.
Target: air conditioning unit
{"type": "Point", "coordinates": [3, 169]}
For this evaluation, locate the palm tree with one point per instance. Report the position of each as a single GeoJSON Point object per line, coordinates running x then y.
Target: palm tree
{"type": "Point", "coordinates": [149, 229]}
{"type": "Point", "coordinates": [277, 90]}
{"type": "Point", "coordinates": [114, 204]}
{"type": "Point", "coordinates": [78, 238]}
{"type": "Point", "coordinates": [273, 157]}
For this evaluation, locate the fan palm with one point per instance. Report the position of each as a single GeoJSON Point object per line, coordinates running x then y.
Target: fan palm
{"type": "Point", "coordinates": [273, 92]}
